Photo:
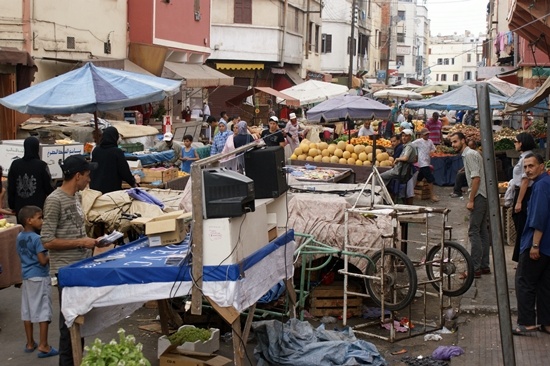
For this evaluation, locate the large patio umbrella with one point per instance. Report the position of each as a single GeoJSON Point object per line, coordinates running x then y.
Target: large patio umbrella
{"type": "Point", "coordinates": [436, 89]}
{"type": "Point", "coordinates": [90, 89]}
{"type": "Point", "coordinates": [314, 91]}
{"type": "Point", "coordinates": [397, 93]}
{"type": "Point", "coordinates": [463, 98]}
{"type": "Point", "coordinates": [348, 106]}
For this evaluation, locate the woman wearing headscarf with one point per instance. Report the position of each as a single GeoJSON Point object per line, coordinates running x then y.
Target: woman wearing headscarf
{"type": "Point", "coordinates": [243, 137]}
{"type": "Point", "coordinates": [29, 179]}
{"type": "Point", "coordinates": [220, 139]}
{"type": "Point", "coordinates": [112, 167]}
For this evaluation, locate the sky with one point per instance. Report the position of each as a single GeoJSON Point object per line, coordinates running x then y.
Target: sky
{"type": "Point", "coordinates": [450, 16]}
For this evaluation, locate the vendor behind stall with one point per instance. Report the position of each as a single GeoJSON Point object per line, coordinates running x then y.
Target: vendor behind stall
{"type": "Point", "coordinates": [112, 167]}
{"type": "Point", "coordinates": [167, 144]}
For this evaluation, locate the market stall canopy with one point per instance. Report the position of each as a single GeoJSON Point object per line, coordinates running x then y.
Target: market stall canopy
{"type": "Point", "coordinates": [237, 100]}
{"type": "Point", "coordinates": [348, 106]}
{"type": "Point", "coordinates": [90, 89]}
{"type": "Point", "coordinates": [397, 93]}
{"type": "Point", "coordinates": [535, 99]}
{"type": "Point", "coordinates": [195, 75]}
{"type": "Point", "coordinates": [407, 86]}
{"type": "Point", "coordinates": [314, 91]}
{"type": "Point", "coordinates": [506, 88]}
{"type": "Point", "coordinates": [463, 98]}
{"type": "Point", "coordinates": [435, 89]}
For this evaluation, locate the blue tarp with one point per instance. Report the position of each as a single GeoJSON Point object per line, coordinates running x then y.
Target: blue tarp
{"type": "Point", "coordinates": [297, 343]}
{"type": "Point", "coordinates": [463, 98]}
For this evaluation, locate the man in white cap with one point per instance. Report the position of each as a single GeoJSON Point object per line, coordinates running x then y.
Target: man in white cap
{"type": "Point", "coordinates": [273, 136]}
{"type": "Point", "coordinates": [293, 133]}
{"type": "Point", "coordinates": [425, 147]}
{"type": "Point", "coordinates": [167, 144]}
{"type": "Point", "coordinates": [403, 168]}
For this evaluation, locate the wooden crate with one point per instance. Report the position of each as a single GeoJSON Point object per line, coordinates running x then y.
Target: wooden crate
{"type": "Point", "coordinates": [153, 175]}
{"type": "Point", "coordinates": [328, 300]}
{"type": "Point", "coordinates": [421, 191]}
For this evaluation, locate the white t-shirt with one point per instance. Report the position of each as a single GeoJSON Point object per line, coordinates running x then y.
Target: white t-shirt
{"type": "Point", "coordinates": [424, 149]}
{"type": "Point", "coordinates": [401, 118]}
{"type": "Point", "coordinates": [365, 131]}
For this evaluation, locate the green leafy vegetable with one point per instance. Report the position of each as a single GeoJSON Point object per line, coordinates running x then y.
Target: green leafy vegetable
{"type": "Point", "coordinates": [190, 334]}
{"type": "Point", "coordinates": [124, 353]}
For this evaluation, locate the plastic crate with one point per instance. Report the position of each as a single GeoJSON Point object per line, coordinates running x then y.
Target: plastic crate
{"type": "Point", "coordinates": [133, 147]}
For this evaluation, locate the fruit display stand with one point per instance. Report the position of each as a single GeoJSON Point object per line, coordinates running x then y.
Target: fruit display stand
{"type": "Point", "coordinates": [361, 172]}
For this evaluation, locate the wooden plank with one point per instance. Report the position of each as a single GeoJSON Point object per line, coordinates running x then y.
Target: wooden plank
{"type": "Point", "coordinates": [334, 312]}
{"type": "Point", "coordinates": [229, 313]}
{"type": "Point", "coordinates": [331, 303]}
{"type": "Point", "coordinates": [76, 340]}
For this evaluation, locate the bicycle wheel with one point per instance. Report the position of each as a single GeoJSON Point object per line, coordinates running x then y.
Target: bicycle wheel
{"type": "Point", "coordinates": [456, 262]}
{"type": "Point", "coordinates": [398, 277]}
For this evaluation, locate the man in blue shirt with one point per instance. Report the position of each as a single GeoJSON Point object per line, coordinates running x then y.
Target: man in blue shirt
{"type": "Point", "coordinates": [533, 272]}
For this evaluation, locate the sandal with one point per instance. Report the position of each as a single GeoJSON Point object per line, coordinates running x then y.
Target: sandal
{"type": "Point", "coordinates": [522, 330]}
{"type": "Point", "coordinates": [543, 329]}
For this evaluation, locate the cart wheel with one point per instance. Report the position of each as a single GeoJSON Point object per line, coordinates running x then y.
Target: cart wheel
{"type": "Point", "coordinates": [456, 262]}
{"type": "Point", "coordinates": [398, 276]}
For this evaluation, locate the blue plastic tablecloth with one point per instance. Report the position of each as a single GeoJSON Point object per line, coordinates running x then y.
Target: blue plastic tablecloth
{"type": "Point", "coordinates": [153, 158]}
{"type": "Point", "coordinates": [445, 169]}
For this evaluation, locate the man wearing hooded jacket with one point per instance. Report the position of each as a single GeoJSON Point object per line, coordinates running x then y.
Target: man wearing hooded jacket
{"type": "Point", "coordinates": [29, 179]}
{"type": "Point", "coordinates": [112, 167]}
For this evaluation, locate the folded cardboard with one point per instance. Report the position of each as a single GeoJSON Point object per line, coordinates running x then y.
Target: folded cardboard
{"type": "Point", "coordinates": [156, 174]}
{"type": "Point", "coordinates": [208, 347]}
{"type": "Point", "coordinates": [166, 229]}
{"type": "Point", "coordinates": [172, 357]}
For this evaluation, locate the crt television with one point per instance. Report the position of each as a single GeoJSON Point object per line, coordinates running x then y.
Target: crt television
{"type": "Point", "coordinates": [226, 193]}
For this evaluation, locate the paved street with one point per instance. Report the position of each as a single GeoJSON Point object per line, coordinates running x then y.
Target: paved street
{"type": "Point", "coordinates": [478, 328]}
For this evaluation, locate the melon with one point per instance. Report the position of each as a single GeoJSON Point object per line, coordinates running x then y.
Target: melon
{"type": "Point", "coordinates": [359, 149]}
{"type": "Point", "coordinates": [304, 147]}
{"type": "Point", "coordinates": [358, 162]}
{"type": "Point", "coordinates": [350, 148]}
{"type": "Point", "coordinates": [355, 156]}
{"type": "Point", "coordinates": [342, 145]}
{"type": "Point", "coordinates": [363, 156]}
{"type": "Point", "coordinates": [334, 159]}
{"type": "Point", "coordinates": [301, 157]}
{"type": "Point", "coordinates": [369, 156]}
{"type": "Point", "coordinates": [298, 151]}
{"type": "Point", "coordinates": [313, 145]}
{"type": "Point", "coordinates": [351, 161]}
{"type": "Point", "coordinates": [313, 152]}
{"type": "Point", "coordinates": [378, 151]}
{"type": "Point", "coordinates": [343, 161]}
{"type": "Point", "coordinates": [317, 158]}
{"type": "Point", "coordinates": [367, 163]}
{"type": "Point", "coordinates": [325, 159]}
{"type": "Point", "coordinates": [322, 145]}
{"type": "Point", "coordinates": [331, 148]}
{"type": "Point", "coordinates": [346, 155]}
{"type": "Point", "coordinates": [368, 149]}
{"type": "Point", "coordinates": [382, 156]}
{"type": "Point", "coordinates": [325, 152]}
{"type": "Point", "coordinates": [309, 158]}
{"type": "Point", "coordinates": [293, 157]}
{"type": "Point", "coordinates": [338, 153]}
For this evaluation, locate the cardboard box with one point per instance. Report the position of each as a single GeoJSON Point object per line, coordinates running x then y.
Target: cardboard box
{"type": "Point", "coordinates": [173, 357]}
{"type": "Point", "coordinates": [271, 232]}
{"type": "Point", "coordinates": [153, 175]}
{"type": "Point", "coordinates": [166, 229]}
{"type": "Point", "coordinates": [208, 347]}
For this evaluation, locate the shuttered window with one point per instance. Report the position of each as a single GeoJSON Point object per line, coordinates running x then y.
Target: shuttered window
{"type": "Point", "coordinates": [326, 45]}
{"type": "Point", "coordinates": [243, 12]}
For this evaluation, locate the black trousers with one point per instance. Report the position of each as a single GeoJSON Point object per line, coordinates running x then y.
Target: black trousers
{"type": "Point", "coordinates": [533, 288]}
{"type": "Point", "coordinates": [65, 346]}
{"type": "Point", "coordinates": [460, 181]}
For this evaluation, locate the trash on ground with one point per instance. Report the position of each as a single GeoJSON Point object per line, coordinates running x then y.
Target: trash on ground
{"type": "Point", "coordinates": [398, 327]}
{"type": "Point", "coordinates": [328, 320]}
{"type": "Point", "coordinates": [432, 337]}
{"type": "Point", "coordinates": [443, 330]}
{"type": "Point", "coordinates": [400, 352]}
{"type": "Point", "coordinates": [447, 352]}
{"type": "Point", "coordinates": [423, 361]}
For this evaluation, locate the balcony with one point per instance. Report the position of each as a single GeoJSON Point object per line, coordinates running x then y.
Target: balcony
{"type": "Point", "coordinates": [522, 17]}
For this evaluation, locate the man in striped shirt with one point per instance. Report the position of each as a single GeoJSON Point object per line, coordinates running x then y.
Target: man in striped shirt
{"type": "Point", "coordinates": [434, 126]}
{"type": "Point", "coordinates": [63, 233]}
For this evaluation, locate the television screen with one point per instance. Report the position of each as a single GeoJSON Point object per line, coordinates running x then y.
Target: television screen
{"type": "Point", "coordinates": [226, 193]}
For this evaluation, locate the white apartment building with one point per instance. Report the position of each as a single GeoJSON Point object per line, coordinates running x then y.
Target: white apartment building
{"type": "Point", "coordinates": [411, 35]}
{"type": "Point", "coordinates": [454, 59]}
{"type": "Point", "coordinates": [337, 18]}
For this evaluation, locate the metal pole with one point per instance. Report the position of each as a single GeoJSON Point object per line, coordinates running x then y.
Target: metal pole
{"type": "Point", "coordinates": [499, 260]}
{"type": "Point", "coordinates": [351, 48]}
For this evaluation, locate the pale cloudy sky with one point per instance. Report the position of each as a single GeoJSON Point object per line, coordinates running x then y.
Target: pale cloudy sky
{"type": "Point", "coordinates": [450, 16]}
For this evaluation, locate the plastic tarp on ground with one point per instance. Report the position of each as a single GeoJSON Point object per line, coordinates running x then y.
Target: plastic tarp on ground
{"type": "Point", "coordinates": [296, 343]}
{"type": "Point", "coordinates": [464, 97]}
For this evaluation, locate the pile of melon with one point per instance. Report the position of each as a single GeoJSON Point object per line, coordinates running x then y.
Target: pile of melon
{"type": "Point", "coordinates": [341, 153]}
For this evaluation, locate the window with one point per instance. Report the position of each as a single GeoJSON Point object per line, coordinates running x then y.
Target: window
{"type": "Point", "coordinates": [379, 39]}
{"type": "Point", "coordinates": [453, 61]}
{"type": "Point", "coordinates": [468, 75]}
{"type": "Point", "coordinates": [401, 15]}
{"type": "Point", "coordinates": [445, 61]}
{"type": "Point", "coordinates": [436, 77]}
{"type": "Point", "coordinates": [243, 12]}
{"type": "Point", "coordinates": [310, 37]}
{"type": "Point", "coordinates": [401, 37]}
{"type": "Point", "coordinates": [363, 44]}
{"type": "Point", "coordinates": [469, 57]}
{"type": "Point", "coordinates": [400, 61]}
{"type": "Point", "coordinates": [455, 77]}
{"type": "Point", "coordinates": [326, 45]}
{"type": "Point", "coordinates": [354, 45]}
{"type": "Point", "coordinates": [443, 77]}
{"type": "Point", "coordinates": [317, 32]}
{"type": "Point", "coordinates": [440, 61]}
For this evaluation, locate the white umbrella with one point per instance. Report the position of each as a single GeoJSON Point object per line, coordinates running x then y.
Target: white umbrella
{"type": "Point", "coordinates": [397, 93]}
{"type": "Point", "coordinates": [407, 86]}
{"type": "Point", "coordinates": [313, 91]}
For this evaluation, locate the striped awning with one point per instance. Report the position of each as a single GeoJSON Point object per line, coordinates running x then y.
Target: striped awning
{"type": "Point", "coordinates": [239, 66]}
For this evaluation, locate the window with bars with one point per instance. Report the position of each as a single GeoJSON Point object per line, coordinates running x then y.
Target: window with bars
{"type": "Point", "coordinates": [401, 37]}
{"type": "Point", "coordinates": [455, 77]}
{"type": "Point", "coordinates": [440, 61]}
{"type": "Point", "coordinates": [242, 12]}
{"type": "Point", "coordinates": [363, 44]}
{"type": "Point", "coordinates": [443, 77]}
{"type": "Point", "coordinates": [326, 43]}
